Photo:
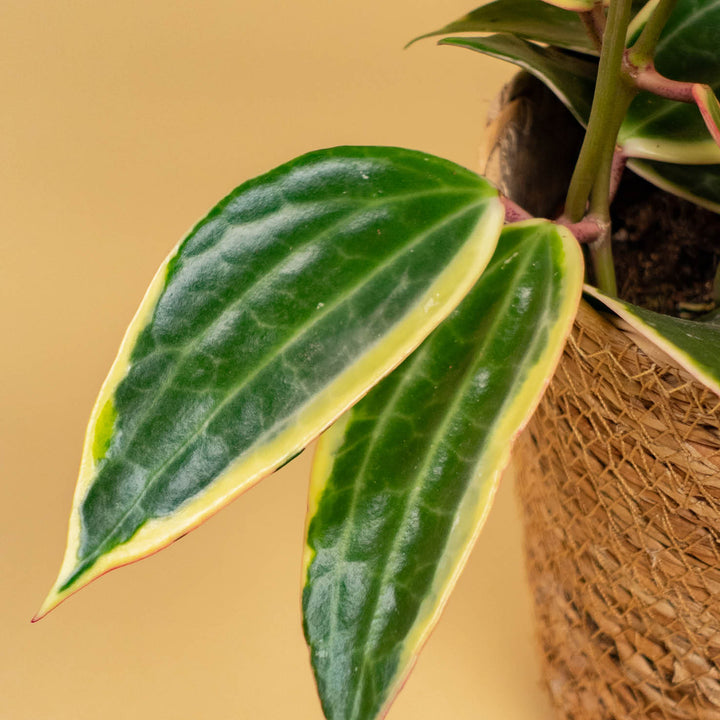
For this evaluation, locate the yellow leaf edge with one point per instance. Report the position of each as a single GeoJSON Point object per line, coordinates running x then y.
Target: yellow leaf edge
{"type": "Point", "coordinates": [499, 450]}
{"type": "Point", "coordinates": [442, 297]}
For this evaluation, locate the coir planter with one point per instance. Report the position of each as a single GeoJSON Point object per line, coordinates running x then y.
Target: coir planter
{"type": "Point", "coordinates": [619, 482]}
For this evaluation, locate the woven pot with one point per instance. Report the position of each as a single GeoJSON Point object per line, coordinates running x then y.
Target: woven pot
{"type": "Point", "coordinates": [619, 482]}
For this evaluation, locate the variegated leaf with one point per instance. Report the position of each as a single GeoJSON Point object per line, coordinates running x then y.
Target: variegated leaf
{"type": "Point", "coordinates": [693, 344]}
{"type": "Point", "coordinates": [659, 129]}
{"type": "Point", "coordinates": [698, 183]}
{"type": "Point", "coordinates": [528, 19]}
{"type": "Point", "coordinates": [402, 483]}
{"type": "Point", "coordinates": [571, 78]}
{"type": "Point", "coordinates": [281, 308]}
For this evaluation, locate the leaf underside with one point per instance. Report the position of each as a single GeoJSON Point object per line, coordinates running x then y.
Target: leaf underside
{"type": "Point", "coordinates": [693, 344]}
{"type": "Point", "coordinates": [529, 19]}
{"type": "Point", "coordinates": [296, 294]}
{"type": "Point", "coordinates": [402, 483]}
{"type": "Point", "coordinates": [571, 78]}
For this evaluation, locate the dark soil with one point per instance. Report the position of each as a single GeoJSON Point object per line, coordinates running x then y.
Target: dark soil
{"type": "Point", "coordinates": [666, 249]}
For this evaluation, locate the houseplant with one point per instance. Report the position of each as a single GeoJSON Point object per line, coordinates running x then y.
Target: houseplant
{"type": "Point", "coordinates": [410, 237]}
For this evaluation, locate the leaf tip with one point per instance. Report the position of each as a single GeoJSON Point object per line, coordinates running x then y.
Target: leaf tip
{"type": "Point", "coordinates": [52, 600]}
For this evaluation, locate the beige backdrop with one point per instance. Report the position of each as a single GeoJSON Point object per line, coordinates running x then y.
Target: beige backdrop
{"type": "Point", "coordinates": [121, 124]}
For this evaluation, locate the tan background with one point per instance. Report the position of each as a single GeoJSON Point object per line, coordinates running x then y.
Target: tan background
{"type": "Point", "coordinates": [122, 123]}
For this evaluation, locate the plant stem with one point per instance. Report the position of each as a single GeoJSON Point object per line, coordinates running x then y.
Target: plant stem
{"type": "Point", "coordinates": [642, 52]}
{"type": "Point", "coordinates": [593, 171]}
{"type": "Point", "coordinates": [603, 109]}
{"type": "Point", "coordinates": [602, 260]}
{"type": "Point", "coordinates": [606, 181]}
{"type": "Point", "coordinates": [649, 79]}
{"type": "Point", "coordinates": [513, 212]}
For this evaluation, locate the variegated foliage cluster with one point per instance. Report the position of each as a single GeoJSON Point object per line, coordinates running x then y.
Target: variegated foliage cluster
{"type": "Point", "coordinates": [373, 295]}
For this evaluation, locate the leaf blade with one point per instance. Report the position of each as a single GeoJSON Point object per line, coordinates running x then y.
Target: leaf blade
{"type": "Point", "coordinates": [693, 344]}
{"type": "Point", "coordinates": [397, 477]}
{"type": "Point", "coordinates": [572, 79]}
{"type": "Point", "coordinates": [528, 19]}
{"type": "Point", "coordinates": [282, 307]}
{"type": "Point", "coordinates": [697, 183]}
{"type": "Point", "coordinates": [659, 129]}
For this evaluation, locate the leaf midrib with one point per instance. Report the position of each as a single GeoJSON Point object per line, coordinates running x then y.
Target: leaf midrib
{"type": "Point", "coordinates": [267, 278]}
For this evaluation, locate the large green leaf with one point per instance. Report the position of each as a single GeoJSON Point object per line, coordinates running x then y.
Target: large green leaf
{"type": "Point", "coordinates": [402, 483]}
{"type": "Point", "coordinates": [699, 183]}
{"type": "Point", "coordinates": [571, 78]}
{"type": "Point", "coordinates": [660, 129]}
{"type": "Point", "coordinates": [281, 308]}
{"type": "Point", "coordinates": [528, 19]}
{"type": "Point", "coordinates": [693, 344]}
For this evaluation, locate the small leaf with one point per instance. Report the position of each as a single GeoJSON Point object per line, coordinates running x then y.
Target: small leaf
{"type": "Point", "coordinates": [697, 183]}
{"type": "Point", "coordinates": [656, 128]}
{"type": "Point", "coordinates": [402, 484]}
{"type": "Point", "coordinates": [709, 107]}
{"type": "Point", "coordinates": [659, 129]}
{"type": "Point", "coordinates": [528, 19]}
{"type": "Point", "coordinates": [571, 78]}
{"type": "Point", "coordinates": [294, 296]}
{"type": "Point", "coordinates": [693, 344]}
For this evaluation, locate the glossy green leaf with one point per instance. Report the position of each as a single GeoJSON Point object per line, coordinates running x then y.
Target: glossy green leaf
{"type": "Point", "coordinates": [693, 344]}
{"type": "Point", "coordinates": [698, 183]}
{"type": "Point", "coordinates": [402, 483]}
{"type": "Point", "coordinates": [281, 308]}
{"type": "Point", "coordinates": [574, 87]}
{"type": "Point", "coordinates": [529, 19]}
{"type": "Point", "coordinates": [655, 128]}
{"type": "Point", "coordinates": [670, 131]}
{"type": "Point", "coordinates": [571, 78]}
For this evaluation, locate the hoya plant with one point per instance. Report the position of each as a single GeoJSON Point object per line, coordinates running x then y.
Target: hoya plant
{"type": "Point", "coordinates": [399, 308]}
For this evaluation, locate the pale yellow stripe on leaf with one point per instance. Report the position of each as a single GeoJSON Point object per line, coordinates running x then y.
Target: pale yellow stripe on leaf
{"type": "Point", "coordinates": [703, 152]}
{"type": "Point", "coordinates": [682, 358]}
{"type": "Point", "coordinates": [117, 372]}
{"type": "Point", "coordinates": [496, 459]}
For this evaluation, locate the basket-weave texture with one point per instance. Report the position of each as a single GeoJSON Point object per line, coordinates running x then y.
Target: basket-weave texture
{"type": "Point", "coordinates": [619, 480]}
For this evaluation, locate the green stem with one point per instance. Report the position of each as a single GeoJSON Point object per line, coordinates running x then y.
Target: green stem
{"type": "Point", "coordinates": [642, 52]}
{"type": "Point", "coordinates": [602, 260]}
{"type": "Point", "coordinates": [600, 126]}
{"type": "Point", "coordinates": [601, 196]}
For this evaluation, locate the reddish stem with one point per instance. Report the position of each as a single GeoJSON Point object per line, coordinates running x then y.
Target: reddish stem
{"type": "Point", "coordinates": [513, 212]}
{"type": "Point", "coordinates": [588, 230]}
{"type": "Point", "coordinates": [591, 28]}
{"type": "Point", "coordinates": [616, 171]}
{"type": "Point", "coordinates": [597, 15]}
{"type": "Point", "coordinates": [649, 79]}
